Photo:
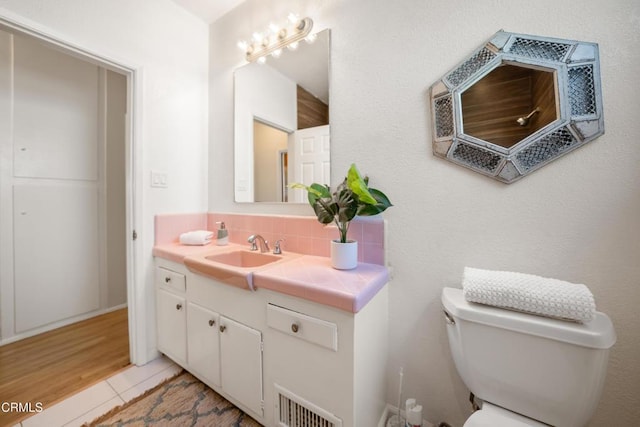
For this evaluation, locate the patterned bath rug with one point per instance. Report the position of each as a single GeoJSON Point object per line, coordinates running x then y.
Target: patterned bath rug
{"type": "Point", "coordinates": [180, 401]}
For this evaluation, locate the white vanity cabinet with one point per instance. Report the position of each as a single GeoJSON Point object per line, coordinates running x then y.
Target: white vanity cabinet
{"type": "Point", "coordinates": [284, 360]}
{"type": "Point", "coordinates": [171, 314]}
{"type": "Point", "coordinates": [236, 350]}
{"type": "Point", "coordinates": [226, 354]}
{"type": "Point", "coordinates": [210, 329]}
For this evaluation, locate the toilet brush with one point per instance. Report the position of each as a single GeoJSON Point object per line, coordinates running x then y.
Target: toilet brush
{"type": "Point", "coordinates": [396, 420]}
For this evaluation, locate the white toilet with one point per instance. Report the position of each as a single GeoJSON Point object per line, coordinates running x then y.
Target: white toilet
{"type": "Point", "coordinates": [527, 370]}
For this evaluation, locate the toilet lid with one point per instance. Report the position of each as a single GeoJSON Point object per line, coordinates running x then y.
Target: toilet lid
{"type": "Point", "coordinates": [494, 416]}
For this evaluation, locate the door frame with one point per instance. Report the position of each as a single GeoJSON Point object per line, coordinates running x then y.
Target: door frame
{"type": "Point", "coordinates": [133, 165]}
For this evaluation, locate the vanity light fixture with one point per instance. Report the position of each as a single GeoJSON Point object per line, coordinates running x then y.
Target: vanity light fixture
{"type": "Point", "coordinates": [277, 38]}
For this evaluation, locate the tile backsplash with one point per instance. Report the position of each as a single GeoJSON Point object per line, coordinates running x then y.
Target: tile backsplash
{"type": "Point", "coordinates": [302, 234]}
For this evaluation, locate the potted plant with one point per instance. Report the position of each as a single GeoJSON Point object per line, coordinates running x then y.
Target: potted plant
{"type": "Point", "coordinates": [352, 197]}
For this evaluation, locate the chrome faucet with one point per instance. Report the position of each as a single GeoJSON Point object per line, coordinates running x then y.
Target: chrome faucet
{"type": "Point", "coordinates": [264, 245]}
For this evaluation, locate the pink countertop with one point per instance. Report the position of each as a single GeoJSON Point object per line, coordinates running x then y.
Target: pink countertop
{"type": "Point", "coordinates": [312, 278]}
{"type": "Point", "coordinates": [304, 276]}
{"type": "Point", "coordinates": [176, 252]}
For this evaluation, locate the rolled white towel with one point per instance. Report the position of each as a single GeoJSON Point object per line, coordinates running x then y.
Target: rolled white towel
{"type": "Point", "coordinates": [529, 293]}
{"type": "Point", "coordinates": [196, 238]}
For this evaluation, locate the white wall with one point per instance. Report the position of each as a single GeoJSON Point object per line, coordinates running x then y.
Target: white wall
{"type": "Point", "coordinates": [169, 48]}
{"type": "Point", "coordinates": [577, 219]}
{"type": "Point", "coordinates": [262, 93]}
{"type": "Point", "coordinates": [269, 143]}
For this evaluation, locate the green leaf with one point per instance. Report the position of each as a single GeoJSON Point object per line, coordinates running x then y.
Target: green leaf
{"type": "Point", "coordinates": [319, 190]}
{"type": "Point", "coordinates": [347, 205]}
{"type": "Point", "coordinates": [314, 191]}
{"type": "Point", "coordinates": [359, 186]}
{"type": "Point", "coordinates": [325, 209]}
{"type": "Point", "coordinates": [382, 203]}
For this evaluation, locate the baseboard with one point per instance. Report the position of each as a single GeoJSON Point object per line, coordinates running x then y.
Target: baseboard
{"type": "Point", "coordinates": [60, 324]}
{"type": "Point", "coordinates": [392, 410]}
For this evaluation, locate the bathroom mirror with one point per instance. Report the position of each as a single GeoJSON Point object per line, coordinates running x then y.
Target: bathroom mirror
{"type": "Point", "coordinates": [281, 123]}
{"type": "Point", "coordinates": [517, 103]}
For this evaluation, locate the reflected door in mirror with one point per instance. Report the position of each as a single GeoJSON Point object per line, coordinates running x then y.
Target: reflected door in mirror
{"type": "Point", "coordinates": [283, 96]}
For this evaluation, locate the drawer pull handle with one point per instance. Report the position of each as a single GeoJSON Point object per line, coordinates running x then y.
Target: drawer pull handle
{"type": "Point", "coordinates": [222, 328]}
{"type": "Point", "coordinates": [294, 328]}
{"type": "Point", "coordinates": [178, 306]}
{"type": "Point", "coordinates": [167, 279]}
{"type": "Point", "coordinates": [212, 322]}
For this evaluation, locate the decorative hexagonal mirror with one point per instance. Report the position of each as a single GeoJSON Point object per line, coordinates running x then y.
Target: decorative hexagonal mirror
{"type": "Point", "coordinates": [517, 103]}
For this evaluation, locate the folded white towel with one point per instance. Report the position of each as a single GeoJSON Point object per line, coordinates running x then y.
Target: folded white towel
{"type": "Point", "coordinates": [196, 238]}
{"type": "Point", "coordinates": [529, 293]}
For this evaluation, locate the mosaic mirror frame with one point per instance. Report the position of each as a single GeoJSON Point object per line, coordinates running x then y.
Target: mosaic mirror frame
{"type": "Point", "coordinates": [578, 96]}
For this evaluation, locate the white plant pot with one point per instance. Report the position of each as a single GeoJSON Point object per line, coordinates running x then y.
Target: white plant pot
{"type": "Point", "coordinates": [344, 256]}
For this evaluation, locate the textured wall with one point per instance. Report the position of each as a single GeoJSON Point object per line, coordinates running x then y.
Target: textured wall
{"type": "Point", "coordinates": [577, 219]}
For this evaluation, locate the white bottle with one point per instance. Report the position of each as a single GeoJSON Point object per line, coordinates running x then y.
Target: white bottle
{"type": "Point", "coordinates": [413, 413]}
{"type": "Point", "coordinates": [222, 238]}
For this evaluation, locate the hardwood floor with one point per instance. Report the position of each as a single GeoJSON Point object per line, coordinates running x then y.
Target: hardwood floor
{"type": "Point", "coordinates": [48, 367]}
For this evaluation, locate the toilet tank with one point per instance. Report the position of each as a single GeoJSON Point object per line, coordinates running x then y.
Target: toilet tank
{"type": "Point", "coordinates": [546, 369]}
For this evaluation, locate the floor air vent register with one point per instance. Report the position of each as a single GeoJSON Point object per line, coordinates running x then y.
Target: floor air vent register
{"type": "Point", "coordinates": [294, 411]}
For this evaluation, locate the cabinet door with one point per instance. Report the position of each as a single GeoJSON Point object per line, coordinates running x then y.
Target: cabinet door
{"type": "Point", "coordinates": [203, 341]}
{"type": "Point", "coordinates": [172, 325]}
{"type": "Point", "coordinates": [241, 363]}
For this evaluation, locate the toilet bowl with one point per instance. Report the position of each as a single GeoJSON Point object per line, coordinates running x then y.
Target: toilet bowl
{"type": "Point", "coordinates": [494, 416]}
{"type": "Point", "coordinates": [527, 370]}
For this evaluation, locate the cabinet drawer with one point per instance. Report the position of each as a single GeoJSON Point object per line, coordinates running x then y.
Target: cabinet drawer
{"type": "Point", "coordinates": [320, 332]}
{"type": "Point", "coordinates": [172, 279]}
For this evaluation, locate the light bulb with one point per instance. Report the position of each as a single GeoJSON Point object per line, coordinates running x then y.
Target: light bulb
{"type": "Point", "coordinates": [261, 60]}
{"type": "Point", "coordinates": [243, 45]}
{"type": "Point", "coordinates": [276, 53]}
{"type": "Point", "coordinates": [311, 38]}
{"type": "Point", "coordinates": [257, 37]}
{"type": "Point", "coordinates": [275, 29]}
{"type": "Point", "coordinates": [293, 18]}
{"type": "Point", "coordinates": [293, 46]}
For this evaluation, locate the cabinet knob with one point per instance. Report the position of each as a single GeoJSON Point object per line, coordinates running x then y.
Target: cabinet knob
{"type": "Point", "coordinates": [178, 306]}
{"type": "Point", "coordinates": [294, 328]}
{"type": "Point", "coordinates": [167, 279]}
{"type": "Point", "coordinates": [212, 322]}
{"type": "Point", "coordinates": [222, 328]}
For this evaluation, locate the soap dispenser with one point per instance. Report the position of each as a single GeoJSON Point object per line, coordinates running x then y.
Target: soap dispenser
{"type": "Point", "coordinates": [223, 235]}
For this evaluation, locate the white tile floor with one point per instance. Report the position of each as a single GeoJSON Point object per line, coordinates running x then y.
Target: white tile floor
{"type": "Point", "coordinates": [100, 398]}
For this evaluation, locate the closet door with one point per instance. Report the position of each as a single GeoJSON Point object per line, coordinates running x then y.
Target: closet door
{"type": "Point", "coordinates": [55, 185]}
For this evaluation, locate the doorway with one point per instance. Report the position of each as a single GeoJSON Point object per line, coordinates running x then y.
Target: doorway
{"type": "Point", "coordinates": [54, 191]}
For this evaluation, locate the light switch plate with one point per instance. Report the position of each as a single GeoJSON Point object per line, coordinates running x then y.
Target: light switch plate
{"type": "Point", "coordinates": [159, 179]}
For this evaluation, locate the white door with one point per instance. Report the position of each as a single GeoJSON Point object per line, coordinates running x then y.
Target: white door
{"type": "Point", "coordinates": [203, 342]}
{"type": "Point", "coordinates": [309, 159]}
{"type": "Point", "coordinates": [241, 363]}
